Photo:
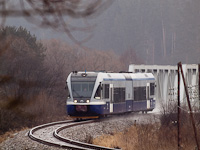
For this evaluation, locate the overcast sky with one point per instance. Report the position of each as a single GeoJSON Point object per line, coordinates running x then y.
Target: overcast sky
{"type": "Point", "coordinates": [166, 28]}
{"type": "Point", "coordinates": [103, 36]}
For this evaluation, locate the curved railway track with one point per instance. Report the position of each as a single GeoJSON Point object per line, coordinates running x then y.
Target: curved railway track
{"type": "Point", "coordinates": [49, 134]}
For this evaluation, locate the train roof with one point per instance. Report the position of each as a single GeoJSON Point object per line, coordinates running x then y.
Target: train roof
{"type": "Point", "coordinates": [126, 76]}
{"type": "Point", "coordinates": [107, 76]}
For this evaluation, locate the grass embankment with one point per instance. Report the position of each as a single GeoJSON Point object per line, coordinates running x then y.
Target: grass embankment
{"type": "Point", "coordinates": [18, 113]}
{"type": "Point", "coordinates": [157, 136]}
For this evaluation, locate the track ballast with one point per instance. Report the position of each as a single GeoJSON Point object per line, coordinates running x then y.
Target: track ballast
{"type": "Point", "coordinates": [49, 134]}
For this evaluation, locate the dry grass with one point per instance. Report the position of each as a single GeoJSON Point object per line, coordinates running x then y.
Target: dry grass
{"type": "Point", "coordinates": [119, 139]}
{"type": "Point", "coordinates": [125, 140]}
{"type": "Point", "coordinates": [10, 134]}
{"type": "Point", "coordinates": [151, 136]}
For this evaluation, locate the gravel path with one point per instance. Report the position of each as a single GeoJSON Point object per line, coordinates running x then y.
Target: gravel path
{"type": "Point", "coordinates": [84, 133]}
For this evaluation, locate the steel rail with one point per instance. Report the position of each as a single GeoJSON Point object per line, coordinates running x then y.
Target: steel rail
{"type": "Point", "coordinates": [35, 138]}
{"type": "Point", "coordinates": [67, 143]}
{"type": "Point", "coordinates": [78, 143]}
{"type": "Point", "coordinates": [64, 142]}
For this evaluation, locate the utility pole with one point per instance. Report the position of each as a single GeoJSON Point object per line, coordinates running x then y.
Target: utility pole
{"type": "Point", "coordinates": [178, 107]}
{"type": "Point", "coordinates": [199, 84]}
{"type": "Point", "coordinates": [189, 105]}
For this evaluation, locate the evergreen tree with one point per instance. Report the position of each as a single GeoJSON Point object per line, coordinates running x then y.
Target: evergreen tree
{"type": "Point", "coordinates": [21, 62]}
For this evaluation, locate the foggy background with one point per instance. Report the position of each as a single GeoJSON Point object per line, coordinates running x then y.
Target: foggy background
{"type": "Point", "coordinates": [157, 31]}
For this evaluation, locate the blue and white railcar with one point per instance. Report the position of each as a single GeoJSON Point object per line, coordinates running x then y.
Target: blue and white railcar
{"type": "Point", "coordinates": [94, 94]}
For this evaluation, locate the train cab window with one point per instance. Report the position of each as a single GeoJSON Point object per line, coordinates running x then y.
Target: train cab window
{"type": "Point", "coordinates": [82, 89]}
{"type": "Point", "coordinates": [98, 93]}
{"type": "Point", "coordinates": [152, 88]}
{"type": "Point", "coordinates": [106, 91]}
{"type": "Point", "coordinates": [85, 87]}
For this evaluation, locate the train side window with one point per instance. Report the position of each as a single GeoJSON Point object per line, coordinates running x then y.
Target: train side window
{"type": "Point", "coordinates": [119, 95]}
{"type": "Point", "coordinates": [152, 88]}
{"type": "Point", "coordinates": [98, 93]}
{"type": "Point", "coordinates": [106, 91]}
{"type": "Point", "coordinates": [139, 93]}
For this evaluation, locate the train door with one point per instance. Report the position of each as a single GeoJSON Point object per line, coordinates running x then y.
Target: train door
{"type": "Point", "coordinates": [148, 95]}
{"type": "Point", "coordinates": [111, 98]}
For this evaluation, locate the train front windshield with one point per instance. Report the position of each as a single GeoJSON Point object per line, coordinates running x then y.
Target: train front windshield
{"type": "Point", "coordinates": [82, 89]}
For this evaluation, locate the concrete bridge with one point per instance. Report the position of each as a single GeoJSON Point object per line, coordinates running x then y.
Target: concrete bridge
{"type": "Point", "coordinates": [167, 83]}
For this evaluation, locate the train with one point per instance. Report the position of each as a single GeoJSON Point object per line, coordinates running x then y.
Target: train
{"type": "Point", "coordinates": [97, 94]}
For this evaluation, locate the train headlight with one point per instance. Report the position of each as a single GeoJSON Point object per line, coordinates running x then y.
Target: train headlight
{"type": "Point", "coordinates": [75, 101]}
{"type": "Point", "coordinates": [97, 97]}
{"type": "Point", "coordinates": [87, 100]}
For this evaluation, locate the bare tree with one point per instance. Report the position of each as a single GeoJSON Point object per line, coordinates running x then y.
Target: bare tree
{"type": "Point", "coordinates": [54, 13]}
{"type": "Point", "coordinates": [130, 57]}
{"type": "Point", "coordinates": [63, 57]}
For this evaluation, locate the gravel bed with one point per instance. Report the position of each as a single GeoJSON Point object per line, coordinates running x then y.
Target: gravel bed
{"type": "Point", "coordinates": [83, 133]}
{"type": "Point", "coordinates": [21, 141]}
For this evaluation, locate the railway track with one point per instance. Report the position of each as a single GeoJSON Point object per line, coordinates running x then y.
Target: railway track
{"type": "Point", "coordinates": [49, 134]}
